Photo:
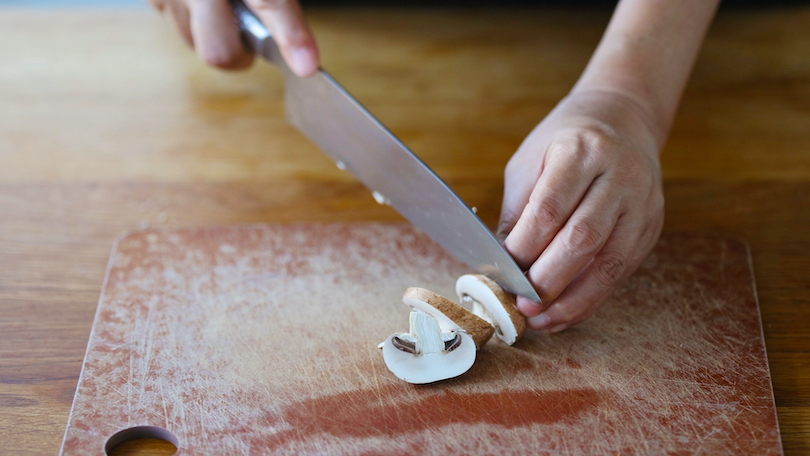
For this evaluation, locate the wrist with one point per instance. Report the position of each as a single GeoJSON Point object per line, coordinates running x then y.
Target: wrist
{"type": "Point", "coordinates": [646, 55]}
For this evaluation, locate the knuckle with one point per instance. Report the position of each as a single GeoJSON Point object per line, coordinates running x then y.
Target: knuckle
{"type": "Point", "coordinates": [583, 237]}
{"type": "Point", "coordinates": [586, 145]}
{"type": "Point", "coordinates": [547, 211]}
{"type": "Point", "coordinates": [508, 219]}
{"type": "Point", "coordinates": [565, 145]}
{"type": "Point", "coordinates": [565, 313]}
{"type": "Point", "coordinates": [221, 59]}
{"type": "Point", "coordinates": [587, 314]}
{"type": "Point", "coordinates": [609, 268]}
{"type": "Point", "coordinates": [569, 150]}
{"type": "Point", "coordinates": [597, 137]}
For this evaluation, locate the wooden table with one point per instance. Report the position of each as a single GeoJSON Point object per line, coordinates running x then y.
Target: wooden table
{"type": "Point", "coordinates": [108, 124]}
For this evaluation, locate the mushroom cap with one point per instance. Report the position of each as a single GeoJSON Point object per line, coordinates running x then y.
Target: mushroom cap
{"type": "Point", "coordinates": [429, 367]}
{"type": "Point", "coordinates": [497, 306]}
{"type": "Point", "coordinates": [451, 316]}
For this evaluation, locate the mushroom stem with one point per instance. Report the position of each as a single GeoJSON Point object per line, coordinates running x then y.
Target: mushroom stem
{"type": "Point", "coordinates": [428, 333]}
{"type": "Point", "coordinates": [451, 316]}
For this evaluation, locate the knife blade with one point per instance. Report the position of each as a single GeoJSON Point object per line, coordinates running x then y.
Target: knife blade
{"type": "Point", "coordinates": [341, 127]}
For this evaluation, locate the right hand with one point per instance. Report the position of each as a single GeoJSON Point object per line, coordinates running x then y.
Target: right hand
{"type": "Point", "coordinates": [209, 27]}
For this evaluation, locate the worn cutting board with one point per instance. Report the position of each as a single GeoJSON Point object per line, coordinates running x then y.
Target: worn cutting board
{"type": "Point", "coordinates": [262, 339]}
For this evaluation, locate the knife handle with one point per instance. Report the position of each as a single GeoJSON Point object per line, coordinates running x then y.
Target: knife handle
{"type": "Point", "coordinates": [255, 36]}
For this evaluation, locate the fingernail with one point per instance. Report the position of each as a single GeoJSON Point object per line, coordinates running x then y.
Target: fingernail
{"type": "Point", "coordinates": [539, 321]}
{"type": "Point", "coordinates": [302, 61]}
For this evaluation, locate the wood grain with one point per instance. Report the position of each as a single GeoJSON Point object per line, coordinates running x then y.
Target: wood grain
{"type": "Point", "coordinates": [108, 124]}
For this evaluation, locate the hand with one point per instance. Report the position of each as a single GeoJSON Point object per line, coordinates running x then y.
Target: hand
{"type": "Point", "coordinates": [209, 27]}
{"type": "Point", "coordinates": [583, 204]}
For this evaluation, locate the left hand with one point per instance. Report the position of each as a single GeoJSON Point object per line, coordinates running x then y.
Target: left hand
{"type": "Point", "coordinates": [583, 204]}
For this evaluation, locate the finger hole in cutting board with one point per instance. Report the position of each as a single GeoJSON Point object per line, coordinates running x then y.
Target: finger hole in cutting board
{"type": "Point", "coordinates": [142, 440]}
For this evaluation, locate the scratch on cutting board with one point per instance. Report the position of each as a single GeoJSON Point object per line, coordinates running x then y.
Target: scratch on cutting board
{"type": "Point", "coordinates": [268, 346]}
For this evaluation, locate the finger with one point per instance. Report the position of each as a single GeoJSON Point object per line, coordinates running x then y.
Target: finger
{"type": "Point", "coordinates": [588, 313]}
{"type": "Point", "coordinates": [579, 240]}
{"type": "Point", "coordinates": [285, 20]}
{"type": "Point", "coordinates": [627, 246]}
{"type": "Point", "coordinates": [562, 184]}
{"type": "Point", "coordinates": [176, 13]}
{"type": "Point", "coordinates": [216, 35]}
{"type": "Point", "coordinates": [519, 180]}
{"type": "Point", "coordinates": [530, 308]}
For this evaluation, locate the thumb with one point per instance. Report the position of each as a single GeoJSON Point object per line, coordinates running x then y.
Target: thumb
{"type": "Point", "coordinates": [285, 20]}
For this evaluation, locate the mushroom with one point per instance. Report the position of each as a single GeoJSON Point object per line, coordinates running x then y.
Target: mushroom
{"type": "Point", "coordinates": [493, 304]}
{"type": "Point", "coordinates": [426, 354]}
{"type": "Point", "coordinates": [451, 316]}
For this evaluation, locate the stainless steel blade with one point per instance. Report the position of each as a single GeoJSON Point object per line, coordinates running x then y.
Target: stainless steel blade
{"type": "Point", "coordinates": [331, 118]}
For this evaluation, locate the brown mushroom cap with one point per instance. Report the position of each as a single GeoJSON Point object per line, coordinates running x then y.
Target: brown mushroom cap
{"type": "Point", "coordinates": [499, 305]}
{"type": "Point", "coordinates": [449, 314]}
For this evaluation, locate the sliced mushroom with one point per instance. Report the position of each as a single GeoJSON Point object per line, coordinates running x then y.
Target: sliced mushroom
{"type": "Point", "coordinates": [493, 304]}
{"type": "Point", "coordinates": [451, 316]}
{"type": "Point", "coordinates": [426, 354]}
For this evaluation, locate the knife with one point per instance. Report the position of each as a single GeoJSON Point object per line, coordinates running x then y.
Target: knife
{"type": "Point", "coordinates": [332, 119]}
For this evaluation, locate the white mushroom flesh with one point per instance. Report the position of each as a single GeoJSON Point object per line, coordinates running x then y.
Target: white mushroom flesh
{"type": "Point", "coordinates": [437, 355]}
{"type": "Point", "coordinates": [486, 305]}
{"type": "Point", "coordinates": [478, 309]}
{"type": "Point", "coordinates": [427, 332]}
{"type": "Point", "coordinates": [445, 323]}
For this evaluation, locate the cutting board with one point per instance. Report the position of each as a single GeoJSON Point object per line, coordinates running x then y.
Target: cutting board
{"type": "Point", "coordinates": [263, 340]}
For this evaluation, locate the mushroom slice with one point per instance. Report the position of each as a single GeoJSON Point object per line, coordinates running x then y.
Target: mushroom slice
{"type": "Point", "coordinates": [426, 354]}
{"type": "Point", "coordinates": [493, 304]}
{"type": "Point", "coordinates": [451, 316]}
